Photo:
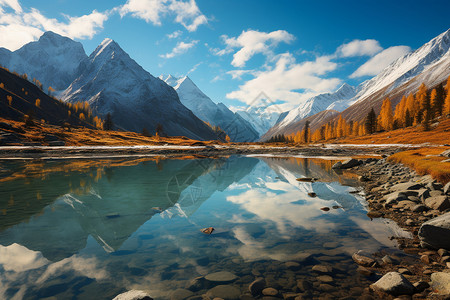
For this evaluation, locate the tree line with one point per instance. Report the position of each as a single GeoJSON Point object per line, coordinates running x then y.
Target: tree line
{"type": "Point", "coordinates": [416, 109]}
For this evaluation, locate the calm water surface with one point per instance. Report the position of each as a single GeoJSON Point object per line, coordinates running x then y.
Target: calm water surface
{"type": "Point", "coordinates": [78, 229]}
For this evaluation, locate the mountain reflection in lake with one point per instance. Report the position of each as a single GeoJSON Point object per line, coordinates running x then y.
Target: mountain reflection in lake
{"type": "Point", "coordinates": [94, 229]}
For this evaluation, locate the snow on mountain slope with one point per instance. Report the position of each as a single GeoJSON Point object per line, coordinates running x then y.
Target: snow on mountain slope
{"type": "Point", "coordinates": [204, 108]}
{"type": "Point", "coordinates": [430, 64]}
{"type": "Point", "coordinates": [114, 83]}
{"type": "Point", "coordinates": [338, 100]}
{"type": "Point", "coordinates": [407, 67]}
{"type": "Point", "coordinates": [53, 60]}
{"type": "Point", "coordinates": [263, 115]}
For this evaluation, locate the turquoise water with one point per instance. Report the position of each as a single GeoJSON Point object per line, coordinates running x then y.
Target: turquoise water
{"type": "Point", "coordinates": [76, 229]}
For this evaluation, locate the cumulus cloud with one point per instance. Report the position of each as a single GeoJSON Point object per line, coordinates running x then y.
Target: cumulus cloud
{"type": "Point", "coordinates": [20, 27]}
{"type": "Point", "coordinates": [186, 13]}
{"type": "Point", "coordinates": [359, 48]}
{"type": "Point", "coordinates": [179, 49]}
{"type": "Point", "coordinates": [175, 34]}
{"type": "Point", "coordinates": [289, 81]}
{"type": "Point", "coordinates": [380, 61]}
{"type": "Point", "coordinates": [252, 42]}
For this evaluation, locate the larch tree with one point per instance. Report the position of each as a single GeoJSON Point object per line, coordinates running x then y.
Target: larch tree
{"type": "Point", "coordinates": [385, 119]}
{"type": "Point", "coordinates": [399, 115]}
{"type": "Point", "coordinates": [306, 132]}
{"type": "Point", "coordinates": [411, 107]}
{"type": "Point", "coordinates": [371, 122]}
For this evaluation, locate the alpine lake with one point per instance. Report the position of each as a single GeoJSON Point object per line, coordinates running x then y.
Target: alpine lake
{"type": "Point", "coordinates": [95, 228]}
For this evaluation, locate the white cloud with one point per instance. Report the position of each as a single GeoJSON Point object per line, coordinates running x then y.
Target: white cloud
{"type": "Point", "coordinates": [359, 48]}
{"type": "Point", "coordinates": [252, 42]}
{"type": "Point", "coordinates": [21, 27]}
{"type": "Point", "coordinates": [289, 81]}
{"type": "Point", "coordinates": [179, 49]}
{"type": "Point", "coordinates": [186, 13]}
{"type": "Point", "coordinates": [237, 74]}
{"type": "Point", "coordinates": [194, 68]}
{"type": "Point", "coordinates": [14, 4]}
{"type": "Point", "coordinates": [175, 34]}
{"type": "Point", "coordinates": [380, 61]}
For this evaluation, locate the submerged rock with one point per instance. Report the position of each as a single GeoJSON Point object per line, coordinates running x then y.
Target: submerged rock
{"type": "Point", "coordinates": [325, 208]}
{"type": "Point", "coordinates": [435, 233]}
{"type": "Point", "coordinates": [257, 286]}
{"type": "Point", "coordinates": [222, 276]}
{"type": "Point", "coordinates": [312, 195]}
{"type": "Point", "coordinates": [362, 260]}
{"type": "Point", "coordinates": [181, 294]}
{"type": "Point", "coordinates": [226, 292]}
{"type": "Point", "coordinates": [395, 284]}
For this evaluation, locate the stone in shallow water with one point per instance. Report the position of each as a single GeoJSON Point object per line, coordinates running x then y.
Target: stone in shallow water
{"type": "Point", "coordinates": [226, 292]}
{"type": "Point", "coordinates": [395, 284]}
{"type": "Point", "coordinates": [181, 294]}
{"type": "Point", "coordinates": [269, 292]}
{"type": "Point", "coordinates": [257, 286]}
{"type": "Point", "coordinates": [325, 208]}
{"type": "Point", "coordinates": [362, 260]}
{"type": "Point", "coordinates": [325, 278]}
{"type": "Point", "coordinates": [322, 269]}
{"type": "Point", "coordinates": [222, 276]}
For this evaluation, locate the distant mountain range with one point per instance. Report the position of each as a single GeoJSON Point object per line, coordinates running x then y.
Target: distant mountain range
{"type": "Point", "coordinates": [112, 82]}
{"type": "Point", "coordinates": [430, 64]}
{"type": "Point", "coordinates": [203, 107]}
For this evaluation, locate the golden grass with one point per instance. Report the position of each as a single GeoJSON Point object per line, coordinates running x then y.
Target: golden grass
{"type": "Point", "coordinates": [425, 161]}
{"type": "Point", "coordinates": [81, 136]}
{"type": "Point", "coordinates": [411, 135]}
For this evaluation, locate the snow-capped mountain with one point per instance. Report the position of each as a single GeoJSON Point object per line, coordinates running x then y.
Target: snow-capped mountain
{"type": "Point", "coordinates": [262, 114]}
{"type": "Point", "coordinates": [337, 101]}
{"type": "Point", "coordinates": [430, 64]}
{"type": "Point", "coordinates": [204, 108]}
{"type": "Point", "coordinates": [114, 83]}
{"type": "Point", "coordinates": [53, 60]}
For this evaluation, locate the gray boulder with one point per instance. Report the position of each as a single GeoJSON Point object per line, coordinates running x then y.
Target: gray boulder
{"type": "Point", "coordinates": [440, 282]}
{"type": "Point", "coordinates": [350, 163]}
{"type": "Point", "coordinates": [435, 233]}
{"type": "Point", "coordinates": [406, 186]}
{"type": "Point", "coordinates": [395, 284]}
{"type": "Point", "coordinates": [395, 197]}
{"type": "Point", "coordinates": [440, 203]}
{"type": "Point", "coordinates": [447, 188]}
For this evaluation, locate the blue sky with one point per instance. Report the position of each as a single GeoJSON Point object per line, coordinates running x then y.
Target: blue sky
{"type": "Point", "coordinates": [235, 49]}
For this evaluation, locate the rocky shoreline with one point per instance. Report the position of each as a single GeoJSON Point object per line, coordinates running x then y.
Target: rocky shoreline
{"type": "Point", "coordinates": [419, 205]}
{"type": "Point", "coordinates": [44, 152]}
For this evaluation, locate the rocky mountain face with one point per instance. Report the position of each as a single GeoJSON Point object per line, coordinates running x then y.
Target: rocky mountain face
{"type": "Point", "coordinates": [53, 60]}
{"type": "Point", "coordinates": [114, 83]}
{"type": "Point", "coordinates": [204, 108]}
{"type": "Point", "coordinates": [430, 64]}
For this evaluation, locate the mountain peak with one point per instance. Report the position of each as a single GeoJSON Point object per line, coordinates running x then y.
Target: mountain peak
{"type": "Point", "coordinates": [108, 46]}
